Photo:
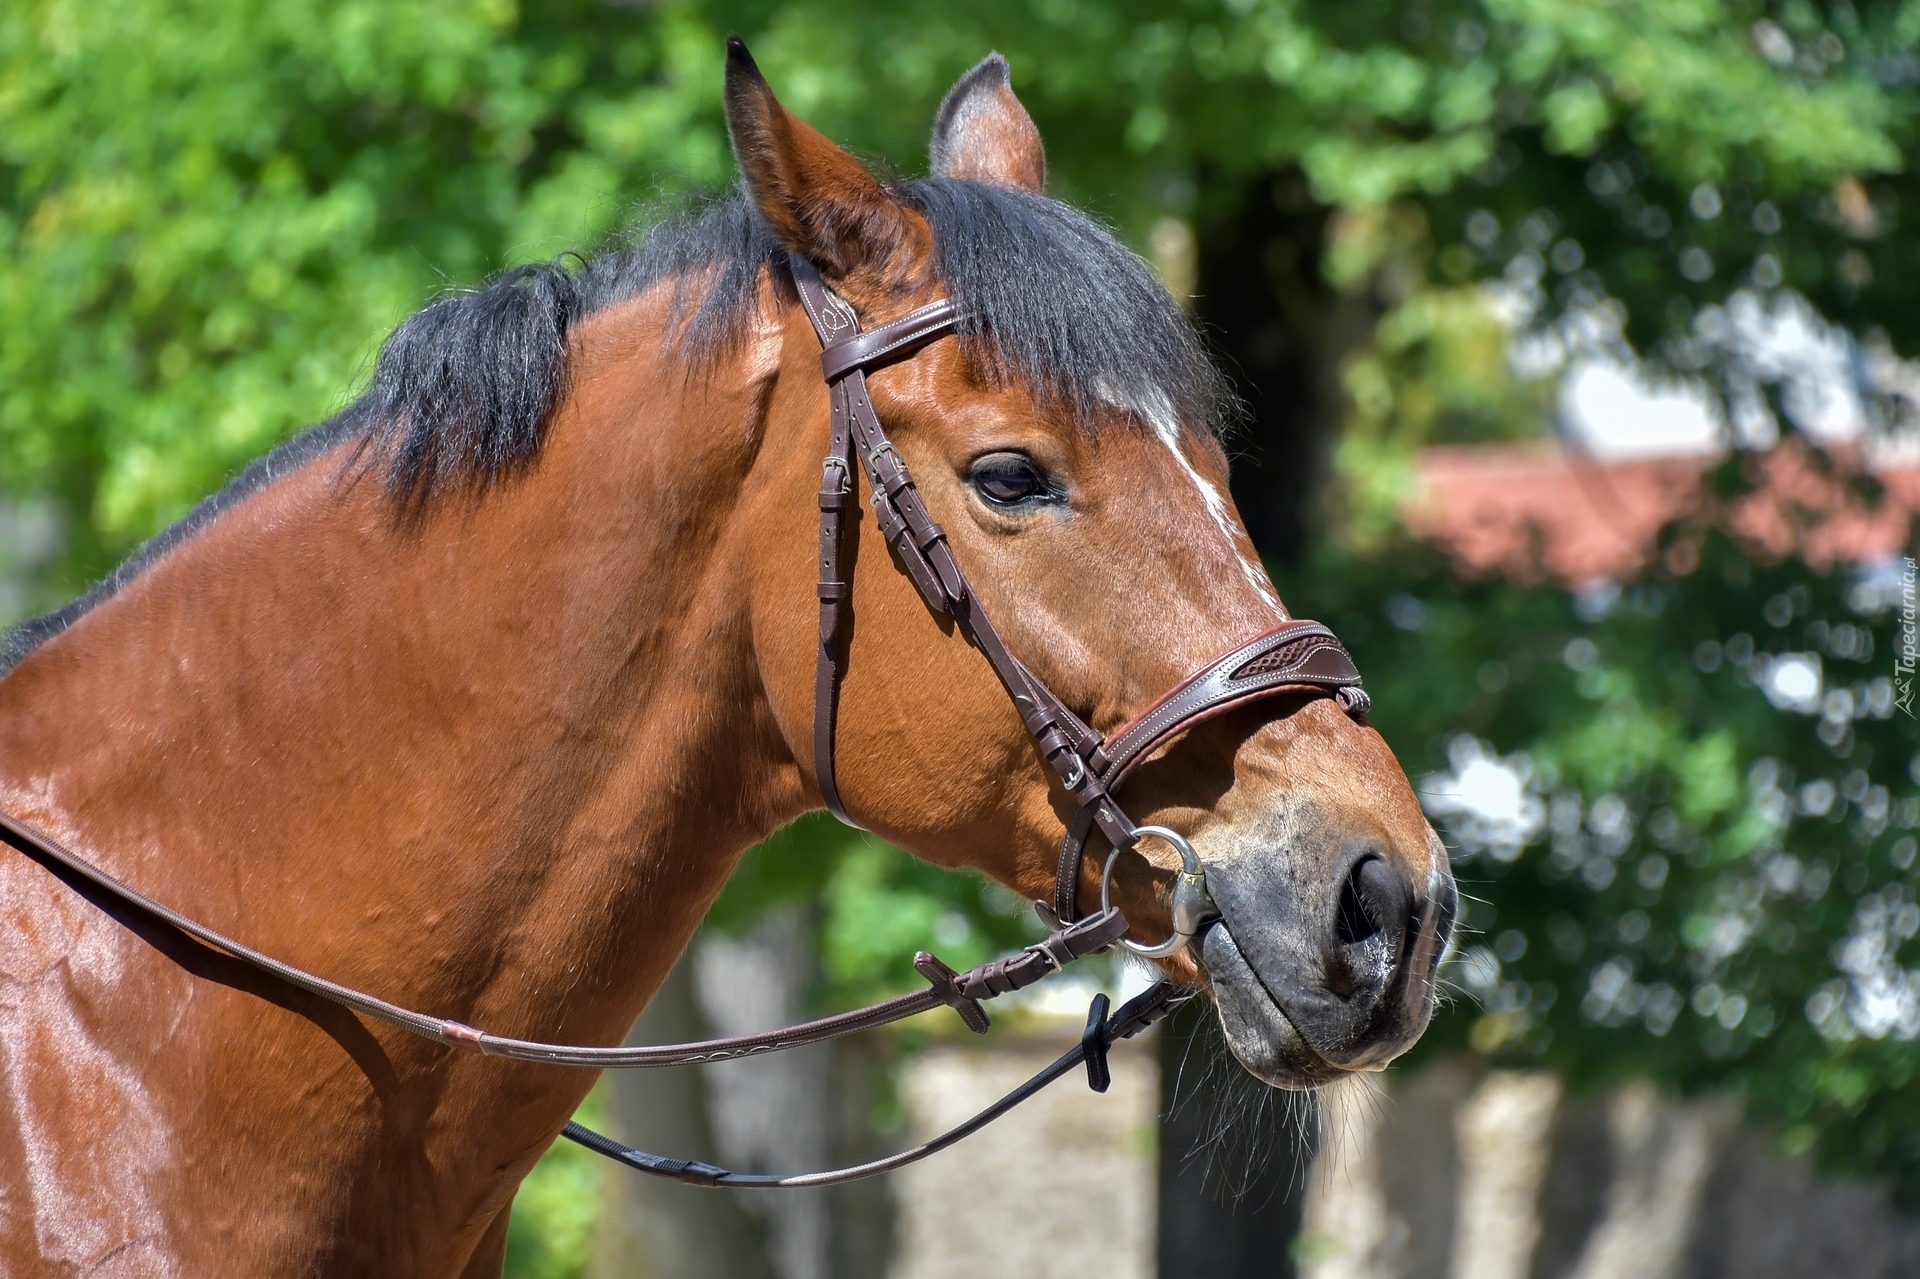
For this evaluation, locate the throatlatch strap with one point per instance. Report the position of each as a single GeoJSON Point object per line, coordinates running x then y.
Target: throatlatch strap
{"type": "Point", "coordinates": [918, 543]}
{"type": "Point", "coordinates": [851, 353]}
{"type": "Point", "coordinates": [836, 496]}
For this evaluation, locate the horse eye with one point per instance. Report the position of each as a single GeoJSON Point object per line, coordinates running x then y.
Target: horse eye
{"type": "Point", "coordinates": [1009, 479]}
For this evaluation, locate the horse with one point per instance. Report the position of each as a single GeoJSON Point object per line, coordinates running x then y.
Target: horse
{"type": "Point", "coordinates": [474, 695]}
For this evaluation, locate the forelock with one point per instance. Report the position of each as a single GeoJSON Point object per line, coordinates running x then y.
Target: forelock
{"type": "Point", "coordinates": [1052, 299]}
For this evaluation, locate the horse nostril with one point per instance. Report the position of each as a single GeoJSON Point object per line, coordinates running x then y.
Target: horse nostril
{"type": "Point", "coordinates": [1371, 916]}
{"type": "Point", "coordinates": [1374, 899]}
{"type": "Point", "coordinates": [1355, 919]}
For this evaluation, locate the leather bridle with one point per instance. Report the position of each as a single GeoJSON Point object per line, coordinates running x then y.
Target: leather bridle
{"type": "Point", "coordinates": [1292, 658]}
{"type": "Point", "coordinates": [1295, 657]}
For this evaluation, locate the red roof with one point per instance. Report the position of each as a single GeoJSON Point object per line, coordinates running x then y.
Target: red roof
{"type": "Point", "coordinates": [1536, 511]}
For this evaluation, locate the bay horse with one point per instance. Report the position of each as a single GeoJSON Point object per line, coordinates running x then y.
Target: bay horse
{"type": "Point", "coordinates": [473, 696]}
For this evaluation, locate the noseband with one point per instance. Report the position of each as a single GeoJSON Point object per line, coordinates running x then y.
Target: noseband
{"type": "Point", "coordinates": [1293, 658]}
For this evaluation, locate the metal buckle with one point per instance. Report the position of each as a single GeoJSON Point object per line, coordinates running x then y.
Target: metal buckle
{"type": "Point", "coordinates": [1193, 906]}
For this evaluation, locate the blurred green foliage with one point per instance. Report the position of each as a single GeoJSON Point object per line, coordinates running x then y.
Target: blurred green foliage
{"type": "Point", "coordinates": [211, 213]}
{"type": "Point", "coordinates": [875, 907]}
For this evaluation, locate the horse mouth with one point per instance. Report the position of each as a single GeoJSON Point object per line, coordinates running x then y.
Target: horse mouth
{"type": "Point", "coordinates": [1258, 1031]}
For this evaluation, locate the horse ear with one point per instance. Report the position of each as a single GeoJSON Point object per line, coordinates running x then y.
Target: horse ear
{"type": "Point", "coordinates": [820, 202]}
{"type": "Point", "coordinates": [982, 132]}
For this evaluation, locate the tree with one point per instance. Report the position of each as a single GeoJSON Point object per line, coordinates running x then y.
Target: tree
{"type": "Point", "coordinates": [211, 212]}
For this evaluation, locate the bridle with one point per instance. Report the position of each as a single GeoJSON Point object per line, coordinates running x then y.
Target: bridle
{"type": "Point", "coordinates": [1295, 657]}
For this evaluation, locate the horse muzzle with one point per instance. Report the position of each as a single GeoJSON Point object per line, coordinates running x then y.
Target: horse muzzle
{"type": "Point", "coordinates": [1314, 986]}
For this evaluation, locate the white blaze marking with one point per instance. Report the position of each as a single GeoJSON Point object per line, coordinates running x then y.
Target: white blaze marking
{"type": "Point", "coordinates": [1160, 414]}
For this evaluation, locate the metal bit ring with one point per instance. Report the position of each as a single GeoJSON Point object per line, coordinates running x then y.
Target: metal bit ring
{"type": "Point", "coordinates": [1193, 905]}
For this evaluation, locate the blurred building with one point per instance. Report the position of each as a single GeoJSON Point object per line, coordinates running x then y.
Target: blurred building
{"type": "Point", "coordinates": [1542, 511]}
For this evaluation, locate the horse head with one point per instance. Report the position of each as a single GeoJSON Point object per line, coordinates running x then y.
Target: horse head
{"type": "Point", "coordinates": [1066, 444]}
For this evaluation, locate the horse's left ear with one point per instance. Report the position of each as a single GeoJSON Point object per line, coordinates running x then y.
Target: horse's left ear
{"type": "Point", "coordinates": [982, 132]}
{"type": "Point", "coordinates": [820, 202]}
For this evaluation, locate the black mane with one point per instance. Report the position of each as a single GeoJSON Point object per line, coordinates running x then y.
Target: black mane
{"type": "Point", "coordinates": [463, 389]}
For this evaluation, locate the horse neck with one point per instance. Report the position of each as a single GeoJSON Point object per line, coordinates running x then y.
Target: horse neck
{"type": "Point", "coordinates": [479, 740]}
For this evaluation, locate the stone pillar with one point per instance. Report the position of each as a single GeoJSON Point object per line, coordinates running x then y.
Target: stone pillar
{"type": "Point", "coordinates": [1505, 1132]}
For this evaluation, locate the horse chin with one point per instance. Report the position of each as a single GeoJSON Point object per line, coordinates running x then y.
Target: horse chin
{"type": "Point", "coordinates": [1258, 1031]}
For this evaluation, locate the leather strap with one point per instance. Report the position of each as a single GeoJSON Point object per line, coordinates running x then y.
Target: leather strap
{"type": "Point", "coordinates": [918, 542]}
{"type": "Point", "coordinates": [1132, 1017]}
{"type": "Point", "coordinates": [1094, 1044]}
{"type": "Point", "coordinates": [835, 588]}
{"type": "Point", "coordinates": [1294, 657]}
{"type": "Point", "coordinates": [889, 342]}
{"type": "Point", "coordinates": [960, 991]}
{"type": "Point", "coordinates": [846, 355]}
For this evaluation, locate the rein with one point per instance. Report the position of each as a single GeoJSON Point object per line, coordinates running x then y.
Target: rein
{"type": "Point", "coordinates": [1292, 658]}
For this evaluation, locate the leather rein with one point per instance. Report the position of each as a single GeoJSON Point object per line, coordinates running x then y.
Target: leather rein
{"type": "Point", "coordinates": [1292, 658]}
